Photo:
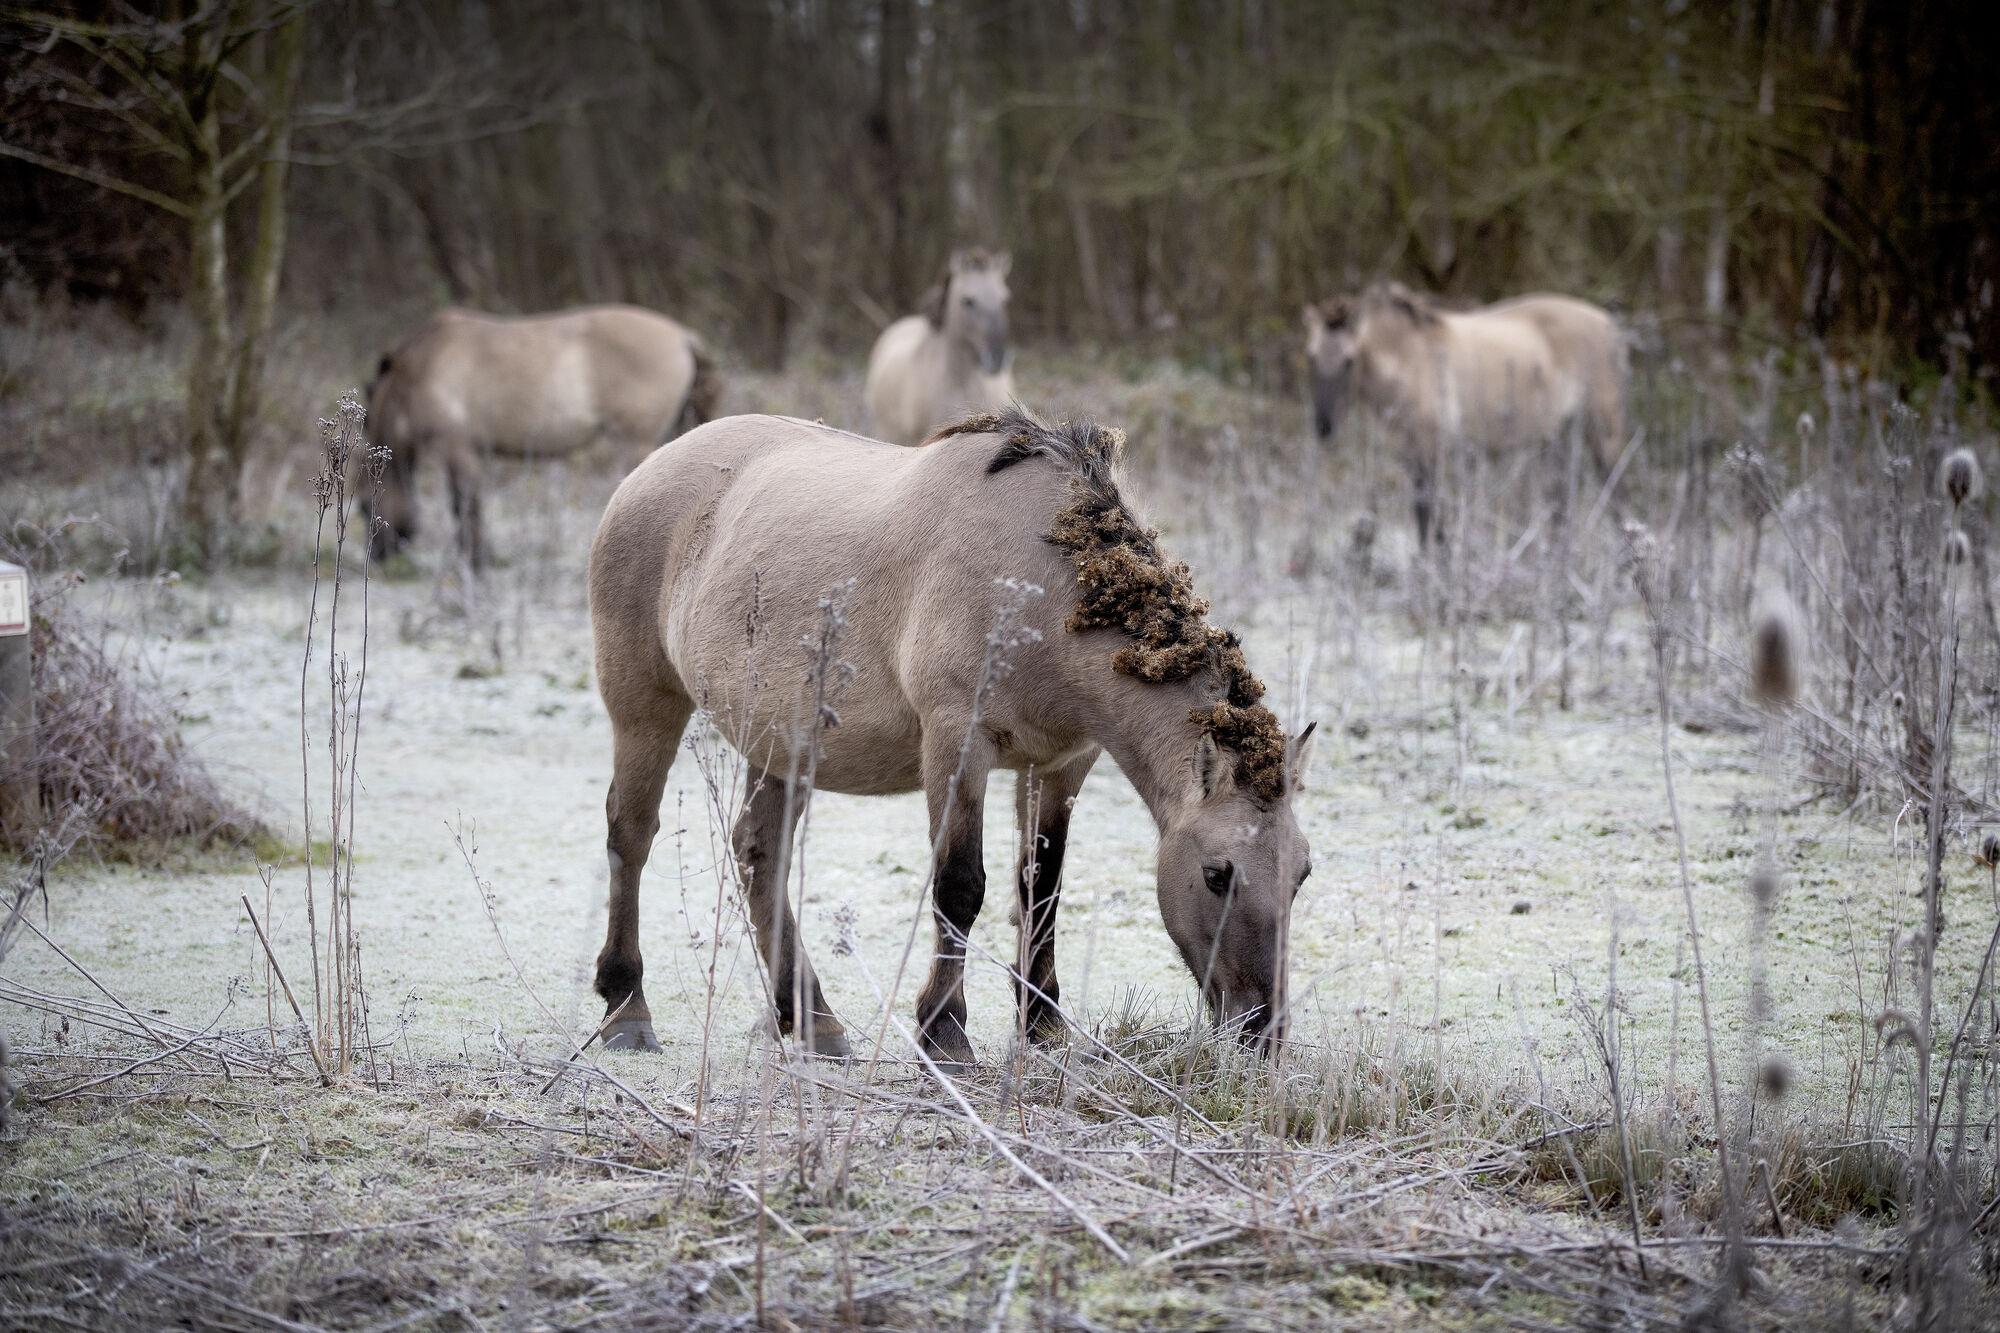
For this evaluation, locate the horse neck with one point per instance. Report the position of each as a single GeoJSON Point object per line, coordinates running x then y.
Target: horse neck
{"type": "Point", "coordinates": [1147, 730]}
{"type": "Point", "coordinates": [961, 362]}
{"type": "Point", "coordinates": [1408, 367]}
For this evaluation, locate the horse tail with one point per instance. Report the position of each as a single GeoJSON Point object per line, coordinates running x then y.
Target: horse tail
{"type": "Point", "coordinates": [704, 394]}
{"type": "Point", "coordinates": [371, 397]}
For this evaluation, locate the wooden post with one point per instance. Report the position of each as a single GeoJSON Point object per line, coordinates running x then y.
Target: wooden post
{"type": "Point", "coordinates": [20, 784]}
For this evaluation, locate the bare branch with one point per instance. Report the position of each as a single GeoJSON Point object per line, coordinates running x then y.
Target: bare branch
{"type": "Point", "coordinates": [158, 200]}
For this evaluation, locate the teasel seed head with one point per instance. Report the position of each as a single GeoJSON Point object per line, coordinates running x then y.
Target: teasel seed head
{"type": "Point", "coordinates": [1764, 887]}
{"type": "Point", "coordinates": [1774, 1077]}
{"type": "Point", "coordinates": [1774, 651]}
{"type": "Point", "coordinates": [1959, 476]}
{"type": "Point", "coordinates": [1957, 548]}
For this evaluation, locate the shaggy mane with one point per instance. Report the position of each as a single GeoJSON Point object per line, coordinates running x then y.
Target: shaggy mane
{"type": "Point", "coordinates": [1124, 581]}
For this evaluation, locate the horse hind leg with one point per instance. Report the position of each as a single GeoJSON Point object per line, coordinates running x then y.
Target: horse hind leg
{"type": "Point", "coordinates": [645, 732]}
{"type": "Point", "coordinates": [467, 508]}
{"type": "Point", "coordinates": [762, 841]}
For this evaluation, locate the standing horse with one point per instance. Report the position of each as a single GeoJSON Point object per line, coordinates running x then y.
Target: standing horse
{"type": "Point", "coordinates": [706, 587]}
{"type": "Point", "coordinates": [931, 368]}
{"type": "Point", "coordinates": [1511, 375]}
{"type": "Point", "coordinates": [541, 386]}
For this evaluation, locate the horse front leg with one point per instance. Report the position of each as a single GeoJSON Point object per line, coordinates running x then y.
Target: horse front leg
{"type": "Point", "coordinates": [1423, 497]}
{"type": "Point", "coordinates": [956, 761]}
{"type": "Point", "coordinates": [1042, 804]}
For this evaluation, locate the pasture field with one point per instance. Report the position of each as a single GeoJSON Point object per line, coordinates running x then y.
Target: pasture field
{"type": "Point", "coordinates": [1475, 1117]}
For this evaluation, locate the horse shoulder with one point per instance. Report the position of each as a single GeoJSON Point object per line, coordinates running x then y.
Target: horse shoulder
{"type": "Point", "coordinates": [975, 545]}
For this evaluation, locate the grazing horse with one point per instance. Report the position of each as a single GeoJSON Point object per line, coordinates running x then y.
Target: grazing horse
{"type": "Point", "coordinates": [709, 581]}
{"type": "Point", "coordinates": [931, 368]}
{"type": "Point", "coordinates": [472, 385]}
{"type": "Point", "coordinates": [1515, 374]}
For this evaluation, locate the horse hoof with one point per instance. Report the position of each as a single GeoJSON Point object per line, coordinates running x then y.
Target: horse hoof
{"type": "Point", "coordinates": [631, 1034]}
{"type": "Point", "coordinates": [831, 1046]}
{"type": "Point", "coordinates": [1048, 1033]}
{"type": "Point", "coordinates": [950, 1052]}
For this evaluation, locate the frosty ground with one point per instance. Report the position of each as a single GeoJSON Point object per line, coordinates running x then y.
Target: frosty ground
{"type": "Point", "coordinates": [1476, 849]}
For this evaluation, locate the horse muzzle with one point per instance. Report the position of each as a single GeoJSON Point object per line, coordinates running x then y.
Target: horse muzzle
{"type": "Point", "coordinates": [1258, 1025]}
{"type": "Point", "coordinates": [1329, 393]}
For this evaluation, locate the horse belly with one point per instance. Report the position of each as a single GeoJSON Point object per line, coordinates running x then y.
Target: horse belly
{"type": "Point", "coordinates": [747, 658]}
{"type": "Point", "coordinates": [552, 414]}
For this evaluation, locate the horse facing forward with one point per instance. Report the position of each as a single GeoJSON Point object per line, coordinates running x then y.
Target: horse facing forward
{"type": "Point", "coordinates": [1507, 376]}
{"type": "Point", "coordinates": [952, 359]}
{"type": "Point", "coordinates": [472, 386]}
{"type": "Point", "coordinates": [706, 585]}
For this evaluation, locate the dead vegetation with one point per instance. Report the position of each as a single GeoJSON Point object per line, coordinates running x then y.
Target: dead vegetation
{"type": "Point", "coordinates": [109, 761]}
{"type": "Point", "coordinates": [165, 1168]}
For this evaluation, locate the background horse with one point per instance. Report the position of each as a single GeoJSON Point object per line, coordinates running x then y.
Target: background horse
{"type": "Point", "coordinates": [707, 582]}
{"type": "Point", "coordinates": [928, 369]}
{"type": "Point", "coordinates": [1515, 374]}
{"type": "Point", "coordinates": [538, 386]}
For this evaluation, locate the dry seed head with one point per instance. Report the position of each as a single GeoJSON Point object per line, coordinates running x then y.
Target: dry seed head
{"type": "Point", "coordinates": [1764, 886]}
{"type": "Point", "coordinates": [1989, 850]}
{"type": "Point", "coordinates": [1806, 426]}
{"type": "Point", "coordinates": [1774, 651]}
{"type": "Point", "coordinates": [1959, 476]}
{"type": "Point", "coordinates": [1957, 548]}
{"type": "Point", "coordinates": [1774, 1077]}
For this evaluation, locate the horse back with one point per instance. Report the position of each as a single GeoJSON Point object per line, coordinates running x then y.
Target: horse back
{"type": "Point", "coordinates": [731, 554]}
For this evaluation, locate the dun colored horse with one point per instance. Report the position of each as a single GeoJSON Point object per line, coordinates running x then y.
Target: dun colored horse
{"type": "Point", "coordinates": [708, 582]}
{"type": "Point", "coordinates": [1511, 375]}
{"type": "Point", "coordinates": [931, 368]}
{"type": "Point", "coordinates": [470, 385]}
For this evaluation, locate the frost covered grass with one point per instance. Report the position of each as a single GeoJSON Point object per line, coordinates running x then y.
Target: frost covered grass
{"type": "Point", "coordinates": [1476, 1123]}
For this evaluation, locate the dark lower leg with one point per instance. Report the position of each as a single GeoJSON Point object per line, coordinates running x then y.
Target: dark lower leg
{"type": "Point", "coordinates": [955, 783]}
{"type": "Point", "coordinates": [1042, 809]}
{"type": "Point", "coordinates": [1423, 484]}
{"type": "Point", "coordinates": [466, 510]}
{"type": "Point", "coordinates": [762, 842]}
{"type": "Point", "coordinates": [958, 890]}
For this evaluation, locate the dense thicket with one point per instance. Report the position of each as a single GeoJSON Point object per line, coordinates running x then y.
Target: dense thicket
{"type": "Point", "coordinates": [789, 172]}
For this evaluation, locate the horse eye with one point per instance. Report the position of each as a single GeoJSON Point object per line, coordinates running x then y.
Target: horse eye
{"type": "Point", "coordinates": [965, 301]}
{"type": "Point", "coordinates": [1219, 877]}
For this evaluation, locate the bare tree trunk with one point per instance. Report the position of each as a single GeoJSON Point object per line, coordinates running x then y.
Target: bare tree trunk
{"type": "Point", "coordinates": [267, 264]}
{"type": "Point", "coordinates": [208, 302]}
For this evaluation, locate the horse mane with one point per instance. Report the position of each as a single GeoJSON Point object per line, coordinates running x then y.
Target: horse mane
{"type": "Point", "coordinates": [1125, 582]}
{"type": "Point", "coordinates": [1393, 295]}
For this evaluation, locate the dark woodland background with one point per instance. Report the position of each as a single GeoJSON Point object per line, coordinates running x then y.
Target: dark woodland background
{"type": "Point", "coordinates": [790, 173]}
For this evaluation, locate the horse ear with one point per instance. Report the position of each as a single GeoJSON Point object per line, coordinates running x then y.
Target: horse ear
{"type": "Point", "coordinates": [1310, 313]}
{"type": "Point", "coordinates": [933, 303]}
{"type": "Point", "coordinates": [1211, 768]}
{"type": "Point", "coordinates": [1298, 756]}
{"type": "Point", "coordinates": [1003, 263]}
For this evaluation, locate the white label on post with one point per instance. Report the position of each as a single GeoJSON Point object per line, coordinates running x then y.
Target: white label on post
{"type": "Point", "coordinates": [13, 600]}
